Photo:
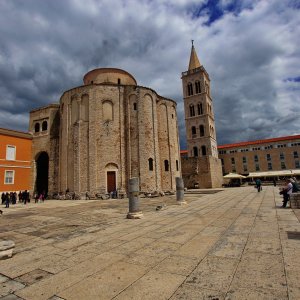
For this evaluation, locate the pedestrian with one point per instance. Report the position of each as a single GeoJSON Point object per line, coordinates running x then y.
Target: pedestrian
{"type": "Point", "coordinates": [20, 196]}
{"type": "Point", "coordinates": [258, 184]}
{"type": "Point", "coordinates": [3, 198]}
{"type": "Point", "coordinates": [286, 192]}
{"type": "Point", "coordinates": [274, 181]}
{"type": "Point", "coordinates": [7, 200]}
{"type": "Point", "coordinates": [25, 197]}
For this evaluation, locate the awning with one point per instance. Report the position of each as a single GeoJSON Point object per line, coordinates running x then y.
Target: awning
{"type": "Point", "coordinates": [275, 173]}
{"type": "Point", "coordinates": [234, 176]}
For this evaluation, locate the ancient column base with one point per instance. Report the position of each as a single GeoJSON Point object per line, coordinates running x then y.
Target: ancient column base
{"type": "Point", "coordinates": [135, 215]}
{"type": "Point", "coordinates": [6, 249]}
{"type": "Point", "coordinates": [182, 202]}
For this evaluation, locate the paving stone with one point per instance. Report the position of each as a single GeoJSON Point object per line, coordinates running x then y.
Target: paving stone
{"type": "Point", "coordinates": [255, 294]}
{"type": "Point", "coordinates": [153, 285]}
{"type": "Point", "coordinates": [177, 265]}
{"type": "Point", "coordinates": [194, 292]}
{"type": "Point", "coordinates": [10, 286]}
{"type": "Point", "coordinates": [33, 276]}
{"type": "Point", "coordinates": [106, 284]}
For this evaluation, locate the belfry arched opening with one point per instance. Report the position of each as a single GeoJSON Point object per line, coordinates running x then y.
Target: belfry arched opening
{"type": "Point", "coordinates": [42, 171]}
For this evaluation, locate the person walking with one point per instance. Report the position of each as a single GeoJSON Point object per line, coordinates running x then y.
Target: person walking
{"type": "Point", "coordinates": [7, 200]}
{"type": "Point", "coordinates": [286, 192]}
{"type": "Point", "coordinates": [258, 184]}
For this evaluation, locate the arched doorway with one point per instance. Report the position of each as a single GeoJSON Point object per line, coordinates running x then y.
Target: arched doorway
{"type": "Point", "coordinates": [42, 171]}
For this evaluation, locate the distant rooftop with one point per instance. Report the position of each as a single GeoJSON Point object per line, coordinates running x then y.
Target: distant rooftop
{"type": "Point", "coordinates": [265, 141]}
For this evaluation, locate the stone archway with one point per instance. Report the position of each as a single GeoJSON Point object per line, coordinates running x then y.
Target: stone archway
{"type": "Point", "coordinates": [42, 173]}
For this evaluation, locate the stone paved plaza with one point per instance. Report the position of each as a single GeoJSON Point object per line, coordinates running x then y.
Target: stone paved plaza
{"type": "Point", "coordinates": [234, 244]}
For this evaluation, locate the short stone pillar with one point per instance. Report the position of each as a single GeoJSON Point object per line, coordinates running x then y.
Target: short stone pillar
{"type": "Point", "coordinates": [134, 202]}
{"type": "Point", "coordinates": [180, 191]}
{"type": "Point", "coordinates": [6, 249]}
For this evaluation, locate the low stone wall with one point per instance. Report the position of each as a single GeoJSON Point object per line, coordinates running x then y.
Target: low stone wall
{"type": "Point", "coordinates": [295, 200]}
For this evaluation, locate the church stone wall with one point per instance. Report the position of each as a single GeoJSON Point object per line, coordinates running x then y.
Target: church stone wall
{"type": "Point", "coordinates": [111, 128]}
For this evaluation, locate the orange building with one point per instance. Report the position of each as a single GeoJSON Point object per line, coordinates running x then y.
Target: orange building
{"type": "Point", "coordinates": [15, 160]}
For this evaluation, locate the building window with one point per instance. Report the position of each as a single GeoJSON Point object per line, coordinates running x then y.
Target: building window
{"type": "Point", "coordinates": [255, 158]}
{"type": "Point", "coordinates": [37, 127]}
{"type": "Point", "coordinates": [9, 177]}
{"type": "Point", "coordinates": [232, 160]}
{"type": "Point", "coordinates": [233, 169]}
{"type": "Point", "coordinates": [177, 165]}
{"type": "Point", "coordinates": [256, 167]}
{"type": "Point", "coordinates": [10, 152]}
{"type": "Point", "coordinates": [190, 89]}
{"type": "Point", "coordinates": [244, 159]}
{"type": "Point", "coordinates": [134, 106]}
{"type": "Point", "coordinates": [281, 156]}
{"type": "Point", "coordinates": [44, 126]}
{"type": "Point", "coordinates": [283, 167]}
{"type": "Point", "coordinates": [119, 81]}
{"type": "Point", "coordinates": [203, 150]}
{"type": "Point", "coordinates": [166, 165]}
{"type": "Point", "coordinates": [200, 109]}
{"type": "Point", "coordinates": [150, 161]}
{"type": "Point", "coordinates": [268, 157]}
{"type": "Point", "coordinates": [201, 130]}
{"type": "Point", "coordinates": [198, 87]}
{"type": "Point", "coordinates": [270, 166]}
{"type": "Point", "coordinates": [195, 150]}
{"type": "Point", "coordinates": [297, 164]}
{"type": "Point", "coordinates": [192, 110]}
{"type": "Point", "coordinates": [245, 168]}
{"type": "Point", "coordinates": [194, 131]}
{"type": "Point", "coordinates": [296, 154]}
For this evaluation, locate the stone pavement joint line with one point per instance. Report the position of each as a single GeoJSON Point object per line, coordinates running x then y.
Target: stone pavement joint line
{"type": "Point", "coordinates": [234, 244]}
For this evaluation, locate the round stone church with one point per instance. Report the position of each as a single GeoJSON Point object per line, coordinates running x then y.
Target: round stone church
{"type": "Point", "coordinates": [103, 133]}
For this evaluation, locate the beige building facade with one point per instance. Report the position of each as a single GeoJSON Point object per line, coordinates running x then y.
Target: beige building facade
{"type": "Point", "coordinates": [281, 153]}
{"type": "Point", "coordinates": [201, 167]}
{"type": "Point", "coordinates": [103, 133]}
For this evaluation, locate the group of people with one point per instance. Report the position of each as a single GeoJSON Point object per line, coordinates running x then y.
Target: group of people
{"type": "Point", "coordinates": [291, 186]}
{"type": "Point", "coordinates": [11, 198]}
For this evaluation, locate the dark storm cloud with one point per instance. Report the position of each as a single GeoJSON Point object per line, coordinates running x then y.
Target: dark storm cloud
{"type": "Point", "coordinates": [249, 50]}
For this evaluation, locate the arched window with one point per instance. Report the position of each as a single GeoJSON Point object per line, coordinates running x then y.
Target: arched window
{"type": "Point", "coordinates": [150, 161]}
{"type": "Point", "coordinates": [197, 87]}
{"type": "Point", "coordinates": [107, 108]}
{"type": "Point", "coordinates": [192, 110]}
{"type": "Point", "coordinates": [203, 150]}
{"type": "Point", "coordinates": [195, 151]}
{"type": "Point", "coordinates": [201, 130]}
{"type": "Point", "coordinates": [134, 106]}
{"type": "Point", "coordinates": [200, 109]}
{"type": "Point", "coordinates": [194, 130]}
{"type": "Point", "coordinates": [190, 89]}
{"type": "Point", "coordinates": [166, 165]}
{"type": "Point", "coordinates": [177, 165]}
{"type": "Point", "coordinates": [37, 127]}
{"type": "Point", "coordinates": [44, 126]}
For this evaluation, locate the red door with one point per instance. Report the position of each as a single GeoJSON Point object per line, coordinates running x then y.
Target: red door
{"type": "Point", "coordinates": [111, 181]}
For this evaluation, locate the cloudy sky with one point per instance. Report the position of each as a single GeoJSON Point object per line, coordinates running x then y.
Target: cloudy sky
{"type": "Point", "coordinates": [250, 49]}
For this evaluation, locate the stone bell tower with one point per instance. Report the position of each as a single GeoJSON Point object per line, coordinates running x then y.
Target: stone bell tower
{"type": "Point", "coordinates": [200, 126]}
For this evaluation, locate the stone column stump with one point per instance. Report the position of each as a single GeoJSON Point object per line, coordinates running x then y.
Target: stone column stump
{"type": "Point", "coordinates": [6, 249]}
{"type": "Point", "coordinates": [180, 191]}
{"type": "Point", "coordinates": [134, 207]}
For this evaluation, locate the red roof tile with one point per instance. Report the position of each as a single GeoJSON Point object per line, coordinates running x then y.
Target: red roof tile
{"type": "Point", "coordinates": [266, 141]}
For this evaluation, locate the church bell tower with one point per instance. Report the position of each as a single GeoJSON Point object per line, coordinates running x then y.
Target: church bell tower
{"type": "Point", "coordinates": [200, 125]}
{"type": "Point", "coordinates": [198, 107]}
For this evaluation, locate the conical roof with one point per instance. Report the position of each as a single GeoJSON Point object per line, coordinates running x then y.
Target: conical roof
{"type": "Point", "coordinates": [194, 61]}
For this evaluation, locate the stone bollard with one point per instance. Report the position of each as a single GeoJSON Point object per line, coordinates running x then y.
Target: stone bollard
{"type": "Point", "coordinates": [134, 209]}
{"type": "Point", "coordinates": [180, 191]}
{"type": "Point", "coordinates": [6, 249]}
